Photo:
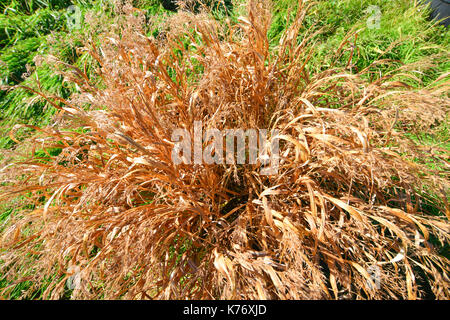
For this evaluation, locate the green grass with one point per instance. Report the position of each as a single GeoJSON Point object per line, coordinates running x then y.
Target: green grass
{"type": "Point", "coordinates": [29, 29]}
{"type": "Point", "coordinates": [400, 23]}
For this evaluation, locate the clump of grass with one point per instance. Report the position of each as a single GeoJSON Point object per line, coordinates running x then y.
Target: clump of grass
{"type": "Point", "coordinates": [116, 218]}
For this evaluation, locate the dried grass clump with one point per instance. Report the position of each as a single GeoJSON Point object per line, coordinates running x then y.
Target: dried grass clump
{"type": "Point", "coordinates": [120, 220]}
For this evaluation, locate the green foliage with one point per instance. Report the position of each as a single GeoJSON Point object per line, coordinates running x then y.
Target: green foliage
{"type": "Point", "coordinates": [14, 60]}
{"type": "Point", "coordinates": [29, 29]}
{"type": "Point", "coordinates": [30, 6]}
{"type": "Point", "coordinates": [17, 26]}
{"type": "Point", "coordinates": [405, 34]}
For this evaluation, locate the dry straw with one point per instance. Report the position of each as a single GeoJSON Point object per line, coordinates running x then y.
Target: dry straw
{"type": "Point", "coordinates": [120, 220]}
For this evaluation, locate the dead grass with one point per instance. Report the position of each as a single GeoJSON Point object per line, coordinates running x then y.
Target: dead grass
{"type": "Point", "coordinates": [117, 219]}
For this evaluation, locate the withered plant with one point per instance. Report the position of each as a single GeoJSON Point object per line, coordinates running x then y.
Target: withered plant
{"type": "Point", "coordinates": [346, 217]}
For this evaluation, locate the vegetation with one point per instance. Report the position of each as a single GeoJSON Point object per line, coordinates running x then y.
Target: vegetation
{"type": "Point", "coordinates": [94, 207]}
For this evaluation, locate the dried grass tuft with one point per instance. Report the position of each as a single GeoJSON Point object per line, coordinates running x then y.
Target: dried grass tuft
{"type": "Point", "coordinates": [120, 220]}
